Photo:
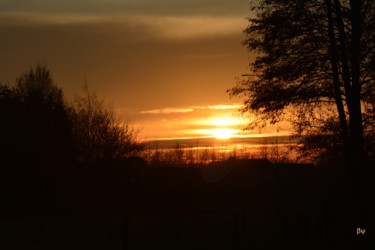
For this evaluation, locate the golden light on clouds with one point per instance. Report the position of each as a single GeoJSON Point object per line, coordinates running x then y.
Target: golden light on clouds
{"type": "Point", "coordinates": [226, 106]}
{"type": "Point", "coordinates": [214, 121]}
{"type": "Point", "coordinates": [191, 109]}
{"type": "Point", "coordinates": [168, 111]}
{"type": "Point", "coordinates": [222, 121]}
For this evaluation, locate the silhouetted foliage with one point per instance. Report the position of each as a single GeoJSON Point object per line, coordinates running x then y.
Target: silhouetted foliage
{"type": "Point", "coordinates": [97, 133]}
{"type": "Point", "coordinates": [35, 123]}
{"type": "Point", "coordinates": [49, 128]}
{"type": "Point", "coordinates": [13, 121]}
{"type": "Point", "coordinates": [314, 60]}
{"type": "Point", "coordinates": [41, 140]}
{"type": "Point", "coordinates": [36, 141]}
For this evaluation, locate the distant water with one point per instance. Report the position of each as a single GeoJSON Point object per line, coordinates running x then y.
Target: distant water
{"type": "Point", "coordinates": [252, 147]}
{"type": "Point", "coordinates": [214, 142]}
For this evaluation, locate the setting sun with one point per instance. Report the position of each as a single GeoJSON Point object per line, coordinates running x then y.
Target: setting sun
{"type": "Point", "coordinates": [223, 133]}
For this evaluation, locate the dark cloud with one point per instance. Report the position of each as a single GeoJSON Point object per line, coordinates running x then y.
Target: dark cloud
{"type": "Point", "coordinates": [132, 7]}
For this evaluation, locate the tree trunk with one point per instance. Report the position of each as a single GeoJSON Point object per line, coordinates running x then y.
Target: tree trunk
{"type": "Point", "coordinates": [357, 171]}
{"type": "Point", "coordinates": [357, 207]}
{"type": "Point", "coordinates": [355, 123]}
{"type": "Point", "coordinates": [336, 81]}
{"type": "Point", "coordinates": [344, 54]}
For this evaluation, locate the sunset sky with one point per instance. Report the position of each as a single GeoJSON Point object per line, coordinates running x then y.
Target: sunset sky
{"type": "Point", "coordinates": [164, 65]}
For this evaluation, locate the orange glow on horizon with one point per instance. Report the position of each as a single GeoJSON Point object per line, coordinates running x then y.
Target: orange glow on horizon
{"type": "Point", "coordinates": [197, 122]}
{"type": "Point", "coordinates": [219, 124]}
{"type": "Point", "coordinates": [222, 126]}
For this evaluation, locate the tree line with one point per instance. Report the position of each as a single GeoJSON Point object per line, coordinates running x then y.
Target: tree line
{"type": "Point", "coordinates": [60, 157]}
{"type": "Point", "coordinates": [40, 127]}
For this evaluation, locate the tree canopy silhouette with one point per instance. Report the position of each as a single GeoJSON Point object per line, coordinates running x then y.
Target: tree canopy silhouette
{"type": "Point", "coordinates": [36, 141]}
{"type": "Point", "coordinates": [44, 139]}
{"type": "Point", "coordinates": [39, 127]}
{"type": "Point", "coordinates": [97, 133]}
{"type": "Point", "coordinates": [36, 124]}
{"type": "Point", "coordinates": [316, 58]}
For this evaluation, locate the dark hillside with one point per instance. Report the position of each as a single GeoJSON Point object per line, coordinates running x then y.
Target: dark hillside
{"type": "Point", "coordinates": [235, 204]}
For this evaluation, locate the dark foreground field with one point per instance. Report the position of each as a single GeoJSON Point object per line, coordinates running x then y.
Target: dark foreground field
{"type": "Point", "coordinates": [239, 204]}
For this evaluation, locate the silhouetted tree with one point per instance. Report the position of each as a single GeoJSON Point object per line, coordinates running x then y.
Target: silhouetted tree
{"type": "Point", "coordinates": [35, 125]}
{"type": "Point", "coordinates": [97, 133]}
{"type": "Point", "coordinates": [178, 153]}
{"type": "Point", "coordinates": [11, 127]}
{"type": "Point", "coordinates": [315, 59]}
{"type": "Point", "coordinates": [36, 141]}
{"type": "Point", "coordinates": [48, 128]}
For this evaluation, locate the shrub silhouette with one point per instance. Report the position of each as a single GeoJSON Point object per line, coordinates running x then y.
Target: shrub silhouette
{"type": "Point", "coordinates": [97, 134]}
